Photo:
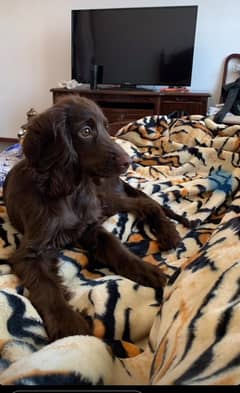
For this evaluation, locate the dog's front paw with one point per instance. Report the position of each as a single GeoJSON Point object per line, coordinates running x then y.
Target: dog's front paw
{"type": "Point", "coordinates": [67, 323]}
{"type": "Point", "coordinates": [153, 277]}
{"type": "Point", "coordinates": [167, 236]}
{"type": "Point", "coordinates": [163, 229]}
{"type": "Point", "coordinates": [148, 275]}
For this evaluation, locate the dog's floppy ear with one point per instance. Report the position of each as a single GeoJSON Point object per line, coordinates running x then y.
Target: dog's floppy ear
{"type": "Point", "coordinates": [49, 150]}
{"type": "Point", "coordinates": [48, 139]}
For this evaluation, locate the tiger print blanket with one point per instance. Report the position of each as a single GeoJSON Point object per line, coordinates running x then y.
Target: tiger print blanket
{"type": "Point", "coordinates": [187, 335]}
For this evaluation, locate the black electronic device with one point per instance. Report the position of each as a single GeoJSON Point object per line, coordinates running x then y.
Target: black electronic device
{"type": "Point", "coordinates": [134, 46]}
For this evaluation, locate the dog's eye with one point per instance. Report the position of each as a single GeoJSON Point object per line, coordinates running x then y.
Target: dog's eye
{"type": "Point", "coordinates": [85, 132]}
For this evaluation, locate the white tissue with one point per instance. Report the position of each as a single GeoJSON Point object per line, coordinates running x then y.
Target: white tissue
{"type": "Point", "coordinates": [69, 84]}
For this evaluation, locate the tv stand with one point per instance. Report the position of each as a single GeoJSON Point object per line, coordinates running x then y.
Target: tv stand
{"type": "Point", "coordinates": [123, 106]}
{"type": "Point", "coordinates": [128, 86]}
{"type": "Point", "coordinates": [131, 86]}
{"type": "Point", "coordinates": [125, 87]}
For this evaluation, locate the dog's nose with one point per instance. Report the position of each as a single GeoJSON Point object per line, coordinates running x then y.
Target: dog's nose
{"type": "Point", "coordinates": [124, 162]}
{"type": "Point", "coordinates": [124, 166]}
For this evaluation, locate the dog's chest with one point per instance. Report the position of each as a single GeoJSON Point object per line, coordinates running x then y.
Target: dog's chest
{"type": "Point", "coordinates": [69, 217]}
{"type": "Point", "coordinates": [79, 210]}
{"type": "Point", "coordinates": [73, 214]}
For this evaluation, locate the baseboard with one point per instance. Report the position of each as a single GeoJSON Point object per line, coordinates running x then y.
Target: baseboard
{"type": "Point", "coordinates": [8, 140]}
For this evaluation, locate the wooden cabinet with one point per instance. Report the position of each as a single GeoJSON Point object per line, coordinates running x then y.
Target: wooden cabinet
{"type": "Point", "coordinates": [123, 106]}
{"type": "Point", "coordinates": [192, 103]}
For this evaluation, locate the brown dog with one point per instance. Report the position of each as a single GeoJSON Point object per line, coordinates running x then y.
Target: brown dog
{"type": "Point", "coordinates": [60, 194]}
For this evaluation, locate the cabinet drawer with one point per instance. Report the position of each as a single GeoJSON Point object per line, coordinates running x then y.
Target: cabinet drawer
{"type": "Point", "coordinates": [181, 98]}
{"type": "Point", "coordinates": [192, 108]}
{"type": "Point", "coordinates": [128, 115]}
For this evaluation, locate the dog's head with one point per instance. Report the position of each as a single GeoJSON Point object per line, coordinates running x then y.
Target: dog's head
{"type": "Point", "coordinates": [70, 140]}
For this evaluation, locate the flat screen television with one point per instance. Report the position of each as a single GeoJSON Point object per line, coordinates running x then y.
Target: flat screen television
{"type": "Point", "coordinates": [134, 46]}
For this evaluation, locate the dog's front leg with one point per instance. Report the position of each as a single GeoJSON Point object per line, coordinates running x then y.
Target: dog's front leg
{"type": "Point", "coordinates": [37, 269]}
{"type": "Point", "coordinates": [108, 250]}
{"type": "Point", "coordinates": [146, 209]}
{"type": "Point", "coordinates": [135, 193]}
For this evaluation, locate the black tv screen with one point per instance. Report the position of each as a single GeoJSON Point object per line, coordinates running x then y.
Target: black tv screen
{"type": "Point", "coordinates": [139, 46]}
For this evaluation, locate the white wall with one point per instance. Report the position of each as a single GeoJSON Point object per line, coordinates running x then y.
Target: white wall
{"type": "Point", "coordinates": [35, 49]}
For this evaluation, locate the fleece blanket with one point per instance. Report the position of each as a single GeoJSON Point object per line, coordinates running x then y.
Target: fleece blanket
{"type": "Point", "coordinates": [184, 335]}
